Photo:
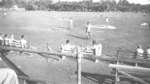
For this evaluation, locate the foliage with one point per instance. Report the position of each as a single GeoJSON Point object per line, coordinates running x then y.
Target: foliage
{"type": "Point", "coordinates": [85, 5]}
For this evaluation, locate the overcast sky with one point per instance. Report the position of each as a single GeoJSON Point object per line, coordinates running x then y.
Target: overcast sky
{"type": "Point", "coordinates": [131, 1]}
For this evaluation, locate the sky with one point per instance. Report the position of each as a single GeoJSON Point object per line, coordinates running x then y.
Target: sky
{"type": "Point", "coordinates": [131, 1]}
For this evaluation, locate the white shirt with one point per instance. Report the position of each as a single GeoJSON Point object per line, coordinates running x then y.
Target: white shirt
{"type": "Point", "coordinates": [106, 20]}
{"type": "Point", "coordinates": [97, 49]}
{"type": "Point", "coordinates": [23, 43]}
{"type": "Point", "coordinates": [68, 47]}
{"type": "Point", "coordinates": [11, 40]}
{"type": "Point", "coordinates": [71, 21]}
{"type": "Point", "coordinates": [139, 51]}
{"type": "Point", "coordinates": [88, 28]}
{"type": "Point", "coordinates": [1, 38]}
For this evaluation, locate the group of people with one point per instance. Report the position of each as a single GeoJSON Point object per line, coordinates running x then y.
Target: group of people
{"type": "Point", "coordinates": [139, 53]}
{"type": "Point", "coordinates": [95, 49]}
{"type": "Point", "coordinates": [12, 42]}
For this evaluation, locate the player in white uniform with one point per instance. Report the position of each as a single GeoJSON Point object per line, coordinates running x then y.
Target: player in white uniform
{"type": "Point", "coordinates": [8, 76]}
{"type": "Point", "coordinates": [71, 23]}
{"type": "Point", "coordinates": [106, 20]}
{"type": "Point", "coordinates": [88, 30]}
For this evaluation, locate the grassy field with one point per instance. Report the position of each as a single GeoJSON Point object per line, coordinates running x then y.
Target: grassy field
{"type": "Point", "coordinates": [41, 27]}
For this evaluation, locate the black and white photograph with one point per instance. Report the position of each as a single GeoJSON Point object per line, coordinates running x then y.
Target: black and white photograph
{"type": "Point", "coordinates": [74, 41]}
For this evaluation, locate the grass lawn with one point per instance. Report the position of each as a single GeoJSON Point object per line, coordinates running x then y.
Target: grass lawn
{"type": "Point", "coordinates": [41, 27]}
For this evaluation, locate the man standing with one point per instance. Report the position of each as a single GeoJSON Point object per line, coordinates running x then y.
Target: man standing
{"type": "Point", "coordinates": [106, 20]}
{"type": "Point", "coordinates": [88, 30]}
{"type": "Point", "coordinates": [71, 23]}
{"type": "Point", "coordinates": [97, 49]}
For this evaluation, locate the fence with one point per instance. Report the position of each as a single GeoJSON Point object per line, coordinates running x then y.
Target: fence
{"type": "Point", "coordinates": [79, 56]}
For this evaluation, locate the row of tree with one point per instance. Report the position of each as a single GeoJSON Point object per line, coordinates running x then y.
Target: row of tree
{"type": "Point", "coordinates": [85, 5]}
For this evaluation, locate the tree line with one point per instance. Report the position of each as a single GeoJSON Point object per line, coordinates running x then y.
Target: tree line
{"type": "Point", "coordinates": [84, 6]}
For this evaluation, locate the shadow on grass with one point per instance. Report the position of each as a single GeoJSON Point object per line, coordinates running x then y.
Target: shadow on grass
{"type": "Point", "coordinates": [84, 38]}
{"type": "Point", "coordinates": [63, 28]}
{"type": "Point", "coordinates": [48, 57]}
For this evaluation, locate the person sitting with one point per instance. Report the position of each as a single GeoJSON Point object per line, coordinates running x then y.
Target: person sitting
{"type": "Point", "coordinates": [139, 52]}
{"type": "Point", "coordinates": [6, 40]}
{"type": "Point", "coordinates": [23, 42]}
{"type": "Point", "coordinates": [148, 52]}
{"type": "Point", "coordinates": [67, 48]}
{"type": "Point", "coordinates": [5, 43]}
{"type": "Point", "coordinates": [12, 41]}
{"type": "Point", "coordinates": [8, 76]}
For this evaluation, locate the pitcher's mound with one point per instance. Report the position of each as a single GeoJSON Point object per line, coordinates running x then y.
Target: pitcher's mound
{"type": "Point", "coordinates": [105, 27]}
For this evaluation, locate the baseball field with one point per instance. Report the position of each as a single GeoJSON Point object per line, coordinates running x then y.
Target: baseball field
{"type": "Point", "coordinates": [41, 27]}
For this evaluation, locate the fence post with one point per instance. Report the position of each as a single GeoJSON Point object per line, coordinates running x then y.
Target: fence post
{"type": "Point", "coordinates": [79, 59]}
{"type": "Point", "coordinates": [117, 75]}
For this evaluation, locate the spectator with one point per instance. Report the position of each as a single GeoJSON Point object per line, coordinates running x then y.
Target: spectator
{"type": "Point", "coordinates": [8, 76]}
{"type": "Point", "coordinates": [12, 41]}
{"type": "Point", "coordinates": [23, 42]}
{"type": "Point", "coordinates": [148, 52]}
{"type": "Point", "coordinates": [95, 49]}
{"type": "Point", "coordinates": [67, 48]}
{"type": "Point", "coordinates": [139, 52]}
{"type": "Point", "coordinates": [6, 40]}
